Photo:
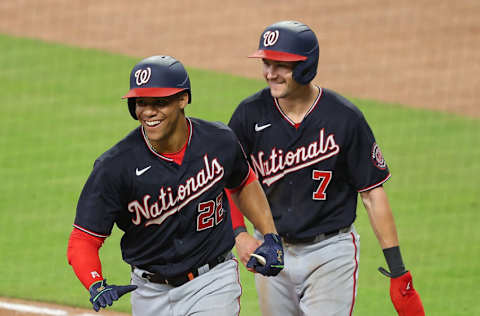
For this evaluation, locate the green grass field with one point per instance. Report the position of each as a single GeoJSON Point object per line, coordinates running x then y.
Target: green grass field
{"type": "Point", "coordinates": [61, 108]}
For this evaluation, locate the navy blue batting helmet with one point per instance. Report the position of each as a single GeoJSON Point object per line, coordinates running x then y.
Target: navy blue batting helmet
{"type": "Point", "coordinates": [157, 76]}
{"type": "Point", "coordinates": [291, 41]}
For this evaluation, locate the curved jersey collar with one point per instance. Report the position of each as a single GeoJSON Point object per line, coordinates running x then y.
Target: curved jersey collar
{"type": "Point", "coordinates": [170, 157]}
{"type": "Point", "coordinates": [312, 107]}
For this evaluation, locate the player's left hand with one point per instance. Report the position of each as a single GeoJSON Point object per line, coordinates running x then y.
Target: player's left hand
{"type": "Point", "coordinates": [102, 294]}
{"type": "Point", "coordinates": [272, 251]}
{"type": "Point", "coordinates": [405, 298]}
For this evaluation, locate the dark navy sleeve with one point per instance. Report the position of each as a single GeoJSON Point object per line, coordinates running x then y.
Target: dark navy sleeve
{"type": "Point", "coordinates": [366, 166]}
{"type": "Point", "coordinates": [237, 124]}
{"type": "Point", "coordinates": [100, 201]}
{"type": "Point", "coordinates": [241, 167]}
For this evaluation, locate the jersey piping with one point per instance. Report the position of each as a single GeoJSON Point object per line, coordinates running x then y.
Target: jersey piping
{"type": "Point", "coordinates": [376, 184]}
{"type": "Point", "coordinates": [147, 142]}
{"type": "Point", "coordinates": [313, 106]}
{"type": "Point", "coordinates": [89, 231]}
{"type": "Point", "coordinates": [251, 176]}
{"type": "Point", "coordinates": [354, 294]}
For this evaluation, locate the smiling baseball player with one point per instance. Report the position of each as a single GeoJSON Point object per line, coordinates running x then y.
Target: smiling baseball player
{"type": "Point", "coordinates": [163, 186]}
{"type": "Point", "coordinates": [314, 153]}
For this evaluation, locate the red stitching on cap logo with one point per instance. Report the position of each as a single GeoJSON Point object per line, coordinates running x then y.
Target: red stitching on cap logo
{"type": "Point", "coordinates": [270, 38]}
{"type": "Point", "coordinates": [143, 76]}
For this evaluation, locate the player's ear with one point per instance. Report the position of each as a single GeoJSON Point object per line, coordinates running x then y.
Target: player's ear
{"type": "Point", "coordinates": [183, 99]}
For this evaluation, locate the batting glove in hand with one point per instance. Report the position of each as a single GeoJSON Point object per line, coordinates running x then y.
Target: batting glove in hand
{"type": "Point", "coordinates": [102, 294]}
{"type": "Point", "coordinates": [405, 298]}
{"type": "Point", "coordinates": [272, 251]}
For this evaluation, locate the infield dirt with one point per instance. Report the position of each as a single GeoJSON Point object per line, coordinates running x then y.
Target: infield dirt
{"type": "Point", "coordinates": [419, 53]}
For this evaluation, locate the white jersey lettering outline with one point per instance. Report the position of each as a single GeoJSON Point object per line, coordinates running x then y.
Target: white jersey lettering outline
{"type": "Point", "coordinates": [279, 164]}
{"type": "Point", "coordinates": [166, 205]}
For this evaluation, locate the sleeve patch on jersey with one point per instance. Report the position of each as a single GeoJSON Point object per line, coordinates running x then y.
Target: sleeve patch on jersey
{"type": "Point", "coordinates": [377, 157]}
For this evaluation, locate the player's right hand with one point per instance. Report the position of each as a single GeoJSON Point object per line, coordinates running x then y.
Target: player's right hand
{"type": "Point", "coordinates": [245, 245]}
{"type": "Point", "coordinates": [102, 294]}
{"type": "Point", "coordinates": [272, 251]}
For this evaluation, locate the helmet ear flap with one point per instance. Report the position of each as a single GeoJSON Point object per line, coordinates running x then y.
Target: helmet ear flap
{"type": "Point", "coordinates": [131, 107]}
{"type": "Point", "coordinates": [306, 70]}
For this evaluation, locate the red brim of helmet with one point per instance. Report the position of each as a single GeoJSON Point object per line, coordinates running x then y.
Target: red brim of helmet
{"type": "Point", "coordinates": [277, 55]}
{"type": "Point", "coordinates": [152, 92]}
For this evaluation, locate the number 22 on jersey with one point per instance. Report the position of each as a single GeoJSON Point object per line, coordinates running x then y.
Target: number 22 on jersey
{"type": "Point", "coordinates": [211, 213]}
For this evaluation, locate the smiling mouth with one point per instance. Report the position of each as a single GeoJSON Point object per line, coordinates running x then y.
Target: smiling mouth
{"type": "Point", "coordinates": [275, 83]}
{"type": "Point", "coordinates": [152, 123]}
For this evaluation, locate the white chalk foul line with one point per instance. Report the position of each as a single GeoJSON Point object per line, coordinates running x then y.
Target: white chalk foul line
{"type": "Point", "coordinates": [32, 309]}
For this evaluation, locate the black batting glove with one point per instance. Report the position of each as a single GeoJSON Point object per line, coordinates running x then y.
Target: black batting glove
{"type": "Point", "coordinates": [272, 251]}
{"type": "Point", "coordinates": [102, 294]}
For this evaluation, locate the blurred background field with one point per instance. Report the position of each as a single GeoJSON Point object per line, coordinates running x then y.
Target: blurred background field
{"type": "Point", "coordinates": [57, 117]}
{"type": "Point", "coordinates": [61, 108]}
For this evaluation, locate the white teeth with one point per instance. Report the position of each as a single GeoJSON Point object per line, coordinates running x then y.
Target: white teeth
{"type": "Point", "coordinates": [152, 123]}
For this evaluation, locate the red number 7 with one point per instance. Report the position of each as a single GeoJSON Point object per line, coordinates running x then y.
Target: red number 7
{"type": "Point", "coordinates": [324, 177]}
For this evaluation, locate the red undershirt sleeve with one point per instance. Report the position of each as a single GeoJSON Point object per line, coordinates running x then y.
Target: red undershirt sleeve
{"type": "Point", "coordinates": [237, 216]}
{"type": "Point", "coordinates": [82, 255]}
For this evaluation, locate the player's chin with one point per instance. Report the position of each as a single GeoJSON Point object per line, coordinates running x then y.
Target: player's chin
{"type": "Point", "coordinates": [154, 132]}
{"type": "Point", "coordinates": [277, 91]}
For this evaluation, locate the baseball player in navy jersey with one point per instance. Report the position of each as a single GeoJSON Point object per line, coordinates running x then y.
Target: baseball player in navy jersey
{"type": "Point", "coordinates": [314, 152]}
{"type": "Point", "coordinates": [163, 185]}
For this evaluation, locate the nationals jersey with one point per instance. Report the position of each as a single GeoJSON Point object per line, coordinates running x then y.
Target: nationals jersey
{"type": "Point", "coordinates": [174, 217]}
{"type": "Point", "coordinates": [311, 172]}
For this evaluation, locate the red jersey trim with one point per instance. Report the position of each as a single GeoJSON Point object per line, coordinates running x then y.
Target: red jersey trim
{"type": "Point", "coordinates": [312, 107]}
{"type": "Point", "coordinates": [320, 93]}
{"type": "Point", "coordinates": [178, 156]}
{"type": "Point", "coordinates": [190, 126]}
{"type": "Point", "coordinates": [239, 283]}
{"type": "Point", "coordinates": [248, 179]}
{"type": "Point", "coordinates": [355, 256]}
{"type": "Point", "coordinates": [89, 231]}
{"type": "Point", "coordinates": [376, 184]}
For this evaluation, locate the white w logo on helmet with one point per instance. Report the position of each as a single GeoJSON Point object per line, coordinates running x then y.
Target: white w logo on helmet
{"type": "Point", "coordinates": [270, 38]}
{"type": "Point", "coordinates": [143, 76]}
